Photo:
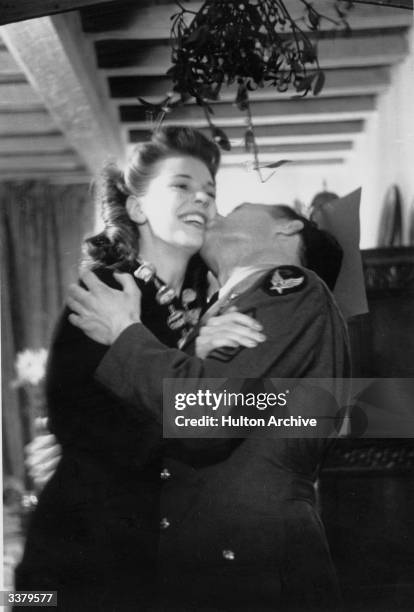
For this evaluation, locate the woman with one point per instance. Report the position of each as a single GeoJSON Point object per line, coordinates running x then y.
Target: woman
{"type": "Point", "coordinates": [94, 534]}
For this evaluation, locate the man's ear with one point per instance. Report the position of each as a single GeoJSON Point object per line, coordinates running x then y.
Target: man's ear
{"type": "Point", "coordinates": [134, 210]}
{"type": "Point", "coordinates": [289, 227]}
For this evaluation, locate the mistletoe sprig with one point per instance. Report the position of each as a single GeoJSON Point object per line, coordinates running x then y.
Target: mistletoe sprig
{"type": "Point", "coordinates": [250, 43]}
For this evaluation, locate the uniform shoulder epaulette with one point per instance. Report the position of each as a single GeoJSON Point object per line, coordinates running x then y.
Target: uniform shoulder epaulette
{"type": "Point", "coordinates": [283, 280]}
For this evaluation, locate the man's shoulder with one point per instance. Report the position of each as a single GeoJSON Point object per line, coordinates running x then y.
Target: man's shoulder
{"type": "Point", "coordinates": [287, 284]}
{"type": "Point", "coordinates": [288, 297]}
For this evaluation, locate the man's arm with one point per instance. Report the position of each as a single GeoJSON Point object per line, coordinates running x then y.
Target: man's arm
{"type": "Point", "coordinates": [305, 337]}
{"type": "Point", "coordinates": [136, 364]}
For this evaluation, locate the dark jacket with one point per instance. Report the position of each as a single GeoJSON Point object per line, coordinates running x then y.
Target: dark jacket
{"type": "Point", "coordinates": [184, 524]}
{"type": "Point", "coordinates": [238, 523]}
{"type": "Point", "coordinates": [94, 534]}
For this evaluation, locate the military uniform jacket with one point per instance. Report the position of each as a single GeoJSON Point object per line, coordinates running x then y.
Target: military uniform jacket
{"type": "Point", "coordinates": [238, 525]}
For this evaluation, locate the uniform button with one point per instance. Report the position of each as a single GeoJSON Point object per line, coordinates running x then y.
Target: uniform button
{"type": "Point", "coordinates": [165, 474]}
{"type": "Point", "coordinates": [164, 523]}
{"type": "Point", "coordinates": [229, 555]}
{"type": "Point", "coordinates": [234, 295]}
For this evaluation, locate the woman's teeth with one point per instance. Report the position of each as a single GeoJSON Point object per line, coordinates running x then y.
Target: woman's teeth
{"type": "Point", "coordinates": [194, 219]}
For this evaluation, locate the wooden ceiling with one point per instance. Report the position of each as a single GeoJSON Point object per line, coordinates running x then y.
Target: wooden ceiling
{"type": "Point", "coordinates": [69, 83]}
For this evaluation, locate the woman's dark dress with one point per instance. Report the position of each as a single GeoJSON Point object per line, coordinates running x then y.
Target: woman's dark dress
{"type": "Point", "coordinates": [94, 534]}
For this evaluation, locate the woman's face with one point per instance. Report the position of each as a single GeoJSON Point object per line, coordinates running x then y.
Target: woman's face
{"type": "Point", "coordinates": [179, 203]}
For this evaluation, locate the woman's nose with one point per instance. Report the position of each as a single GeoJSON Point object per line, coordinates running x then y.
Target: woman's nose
{"type": "Point", "coordinates": [202, 198]}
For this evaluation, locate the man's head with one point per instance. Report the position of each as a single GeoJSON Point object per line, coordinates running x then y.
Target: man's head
{"type": "Point", "coordinates": [257, 233]}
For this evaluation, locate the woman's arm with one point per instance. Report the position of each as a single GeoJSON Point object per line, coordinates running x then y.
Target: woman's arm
{"type": "Point", "coordinates": [85, 415]}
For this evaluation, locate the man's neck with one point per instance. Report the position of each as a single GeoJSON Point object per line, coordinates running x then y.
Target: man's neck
{"type": "Point", "coordinates": [262, 259]}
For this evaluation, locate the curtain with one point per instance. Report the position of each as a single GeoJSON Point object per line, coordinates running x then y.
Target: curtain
{"type": "Point", "coordinates": [42, 227]}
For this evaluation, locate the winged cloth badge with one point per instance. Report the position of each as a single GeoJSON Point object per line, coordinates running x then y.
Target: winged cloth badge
{"type": "Point", "coordinates": [284, 279]}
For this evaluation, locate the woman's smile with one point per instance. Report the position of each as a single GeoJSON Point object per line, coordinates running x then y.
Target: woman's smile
{"type": "Point", "coordinates": [194, 218]}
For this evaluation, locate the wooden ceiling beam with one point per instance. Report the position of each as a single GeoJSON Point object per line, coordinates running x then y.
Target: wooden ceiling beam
{"type": "Point", "coordinates": [8, 65]}
{"type": "Point", "coordinates": [55, 143]}
{"type": "Point", "coordinates": [300, 148]}
{"type": "Point", "coordinates": [63, 161]}
{"type": "Point", "coordinates": [153, 23]}
{"type": "Point", "coordinates": [50, 51]}
{"type": "Point", "coordinates": [229, 162]}
{"type": "Point", "coordinates": [64, 177]}
{"type": "Point", "coordinates": [305, 139]}
{"type": "Point", "coordinates": [266, 157]}
{"type": "Point", "coordinates": [26, 123]}
{"type": "Point", "coordinates": [348, 81]}
{"type": "Point", "coordinates": [19, 96]}
{"type": "Point", "coordinates": [372, 50]}
{"type": "Point", "coordinates": [12, 10]}
{"type": "Point", "coordinates": [263, 112]}
{"type": "Point", "coordinates": [403, 4]}
{"type": "Point", "coordinates": [282, 131]}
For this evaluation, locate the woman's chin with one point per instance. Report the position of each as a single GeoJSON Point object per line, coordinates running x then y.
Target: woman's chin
{"type": "Point", "coordinates": [190, 240]}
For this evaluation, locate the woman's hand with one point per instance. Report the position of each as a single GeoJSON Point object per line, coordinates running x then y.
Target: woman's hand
{"type": "Point", "coordinates": [42, 456]}
{"type": "Point", "coordinates": [231, 329]}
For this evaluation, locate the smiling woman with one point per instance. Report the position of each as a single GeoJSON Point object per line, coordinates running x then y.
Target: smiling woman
{"type": "Point", "coordinates": [93, 536]}
{"type": "Point", "coordinates": [177, 206]}
{"type": "Point", "coordinates": [170, 176]}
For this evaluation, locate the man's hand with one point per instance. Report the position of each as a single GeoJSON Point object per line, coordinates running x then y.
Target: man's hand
{"type": "Point", "coordinates": [101, 312]}
{"type": "Point", "coordinates": [231, 329]}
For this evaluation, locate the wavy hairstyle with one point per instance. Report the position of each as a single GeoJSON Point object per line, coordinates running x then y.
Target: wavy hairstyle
{"type": "Point", "coordinates": [117, 246]}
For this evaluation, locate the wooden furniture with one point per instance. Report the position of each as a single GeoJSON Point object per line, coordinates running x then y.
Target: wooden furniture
{"type": "Point", "coordinates": [367, 486]}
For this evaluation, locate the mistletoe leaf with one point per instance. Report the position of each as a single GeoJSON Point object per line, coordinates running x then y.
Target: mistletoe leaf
{"type": "Point", "coordinates": [221, 138]}
{"type": "Point", "coordinates": [149, 105]}
{"type": "Point", "coordinates": [314, 18]}
{"type": "Point", "coordinates": [305, 83]}
{"type": "Point", "coordinates": [249, 140]}
{"type": "Point", "coordinates": [319, 83]}
{"type": "Point", "coordinates": [185, 96]}
{"type": "Point", "coordinates": [242, 98]}
{"type": "Point", "coordinates": [198, 37]}
{"type": "Point", "coordinates": [277, 164]}
{"type": "Point", "coordinates": [254, 16]}
{"type": "Point", "coordinates": [308, 54]}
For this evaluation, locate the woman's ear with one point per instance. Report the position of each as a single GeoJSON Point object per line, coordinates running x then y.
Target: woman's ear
{"type": "Point", "coordinates": [134, 210]}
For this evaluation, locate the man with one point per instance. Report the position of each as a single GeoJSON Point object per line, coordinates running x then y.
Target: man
{"type": "Point", "coordinates": [238, 525]}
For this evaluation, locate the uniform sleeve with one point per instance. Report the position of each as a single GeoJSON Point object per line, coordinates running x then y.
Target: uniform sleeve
{"type": "Point", "coordinates": [136, 364]}
{"type": "Point", "coordinates": [85, 415]}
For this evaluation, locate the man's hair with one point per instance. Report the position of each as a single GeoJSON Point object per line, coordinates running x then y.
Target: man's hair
{"type": "Point", "coordinates": [321, 251]}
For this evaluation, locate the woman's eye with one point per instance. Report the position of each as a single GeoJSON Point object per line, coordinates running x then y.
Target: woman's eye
{"type": "Point", "coordinates": [181, 186]}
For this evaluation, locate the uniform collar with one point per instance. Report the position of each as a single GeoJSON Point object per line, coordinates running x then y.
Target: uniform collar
{"type": "Point", "coordinates": [240, 281]}
{"type": "Point", "coordinates": [238, 278]}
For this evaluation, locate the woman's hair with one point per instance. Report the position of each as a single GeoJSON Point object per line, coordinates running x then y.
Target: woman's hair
{"type": "Point", "coordinates": [321, 252]}
{"type": "Point", "coordinates": [117, 245]}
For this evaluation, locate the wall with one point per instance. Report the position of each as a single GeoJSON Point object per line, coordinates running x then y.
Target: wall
{"type": "Point", "coordinates": [387, 153]}
{"type": "Point", "coordinates": [287, 184]}
{"type": "Point", "coordinates": [383, 155]}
